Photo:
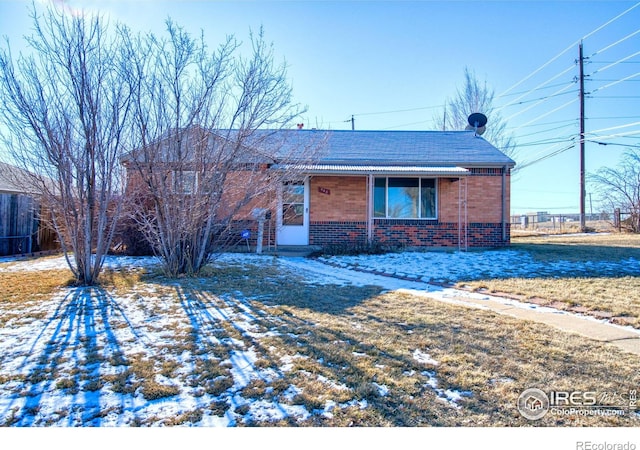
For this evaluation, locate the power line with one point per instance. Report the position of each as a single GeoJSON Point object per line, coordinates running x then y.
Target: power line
{"type": "Point", "coordinates": [611, 118]}
{"type": "Point", "coordinates": [550, 155]}
{"type": "Point", "coordinates": [615, 143]}
{"type": "Point", "coordinates": [621, 60]}
{"type": "Point", "coordinates": [398, 111]}
{"type": "Point", "coordinates": [615, 128]}
{"type": "Point", "coordinates": [615, 82]}
{"type": "Point", "coordinates": [547, 141]}
{"type": "Point", "coordinates": [542, 124]}
{"type": "Point", "coordinates": [614, 44]}
{"type": "Point", "coordinates": [625, 134]}
{"type": "Point", "coordinates": [626, 97]}
{"type": "Point", "coordinates": [406, 124]}
{"type": "Point", "coordinates": [569, 48]}
{"type": "Point", "coordinates": [542, 152]}
{"type": "Point", "coordinates": [558, 75]}
{"type": "Point", "coordinates": [547, 130]}
{"type": "Point", "coordinates": [555, 94]}
{"type": "Point", "coordinates": [534, 89]}
{"type": "Point", "coordinates": [548, 113]}
{"type": "Point", "coordinates": [546, 97]}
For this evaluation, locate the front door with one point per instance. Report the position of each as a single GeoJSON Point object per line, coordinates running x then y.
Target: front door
{"type": "Point", "coordinates": [293, 213]}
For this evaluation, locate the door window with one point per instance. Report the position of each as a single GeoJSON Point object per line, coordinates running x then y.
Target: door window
{"type": "Point", "coordinates": [293, 203]}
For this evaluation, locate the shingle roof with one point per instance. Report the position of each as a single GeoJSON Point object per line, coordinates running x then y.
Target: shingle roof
{"type": "Point", "coordinates": [359, 148]}
{"type": "Point", "coordinates": [406, 148]}
{"type": "Point", "coordinates": [14, 180]}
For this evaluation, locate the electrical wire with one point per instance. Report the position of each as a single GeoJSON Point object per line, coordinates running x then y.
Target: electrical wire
{"type": "Point", "coordinates": [397, 111]}
{"type": "Point", "coordinates": [614, 128]}
{"type": "Point", "coordinates": [550, 155]}
{"type": "Point", "coordinates": [547, 130]}
{"type": "Point", "coordinates": [614, 44]}
{"type": "Point", "coordinates": [534, 89]}
{"type": "Point", "coordinates": [613, 143]}
{"type": "Point", "coordinates": [555, 94]}
{"type": "Point", "coordinates": [621, 60]}
{"type": "Point", "coordinates": [625, 134]}
{"type": "Point", "coordinates": [558, 140]}
{"type": "Point", "coordinates": [406, 125]}
{"type": "Point", "coordinates": [548, 113]}
{"type": "Point", "coordinates": [637, 74]}
{"type": "Point", "coordinates": [546, 97]}
{"type": "Point", "coordinates": [569, 48]}
{"type": "Point", "coordinates": [556, 76]}
{"type": "Point", "coordinates": [543, 151]}
{"type": "Point", "coordinates": [612, 118]}
{"type": "Point", "coordinates": [543, 124]}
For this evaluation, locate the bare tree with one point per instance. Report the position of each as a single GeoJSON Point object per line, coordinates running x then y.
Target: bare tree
{"type": "Point", "coordinates": [64, 115]}
{"type": "Point", "coordinates": [620, 187]}
{"type": "Point", "coordinates": [475, 97]}
{"type": "Point", "coordinates": [204, 123]}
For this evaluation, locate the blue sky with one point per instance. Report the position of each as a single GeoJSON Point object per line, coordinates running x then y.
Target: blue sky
{"type": "Point", "coordinates": [392, 64]}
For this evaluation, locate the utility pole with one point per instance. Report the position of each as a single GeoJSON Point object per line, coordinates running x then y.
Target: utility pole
{"type": "Point", "coordinates": [582, 182]}
{"type": "Point", "coordinates": [353, 123]}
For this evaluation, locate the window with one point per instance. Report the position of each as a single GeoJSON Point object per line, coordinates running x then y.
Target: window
{"type": "Point", "coordinates": [185, 181]}
{"type": "Point", "coordinates": [293, 203]}
{"type": "Point", "coordinates": [404, 198]}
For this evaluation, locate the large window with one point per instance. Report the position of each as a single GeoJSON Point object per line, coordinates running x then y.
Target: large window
{"type": "Point", "coordinates": [404, 198]}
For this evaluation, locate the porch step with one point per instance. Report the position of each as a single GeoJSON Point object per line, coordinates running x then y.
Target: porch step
{"type": "Point", "coordinates": [290, 250]}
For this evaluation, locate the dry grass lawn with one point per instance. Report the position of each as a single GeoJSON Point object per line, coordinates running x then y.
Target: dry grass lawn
{"type": "Point", "coordinates": [614, 298]}
{"type": "Point", "coordinates": [341, 343]}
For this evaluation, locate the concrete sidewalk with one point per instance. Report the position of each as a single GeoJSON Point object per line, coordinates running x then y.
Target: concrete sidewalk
{"type": "Point", "coordinates": [623, 338]}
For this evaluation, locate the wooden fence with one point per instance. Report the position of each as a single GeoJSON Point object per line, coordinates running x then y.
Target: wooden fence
{"type": "Point", "coordinates": [20, 228]}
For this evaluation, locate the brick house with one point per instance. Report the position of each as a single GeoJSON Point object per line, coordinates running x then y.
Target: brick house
{"type": "Point", "coordinates": [406, 188]}
{"type": "Point", "coordinates": [398, 188]}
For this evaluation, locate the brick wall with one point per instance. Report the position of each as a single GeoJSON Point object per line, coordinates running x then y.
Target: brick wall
{"type": "Point", "coordinates": [484, 197]}
{"type": "Point", "coordinates": [431, 233]}
{"type": "Point", "coordinates": [332, 233]}
{"type": "Point", "coordinates": [342, 199]}
{"type": "Point", "coordinates": [338, 208]}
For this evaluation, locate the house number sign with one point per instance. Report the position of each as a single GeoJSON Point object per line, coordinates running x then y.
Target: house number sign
{"type": "Point", "coordinates": [325, 191]}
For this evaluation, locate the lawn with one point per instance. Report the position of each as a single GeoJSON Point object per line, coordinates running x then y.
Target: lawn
{"type": "Point", "coordinates": [614, 295]}
{"type": "Point", "coordinates": [263, 341]}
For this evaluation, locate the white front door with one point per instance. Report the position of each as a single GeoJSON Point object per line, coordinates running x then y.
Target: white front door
{"type": "Point", "coordinates": [293, 213]}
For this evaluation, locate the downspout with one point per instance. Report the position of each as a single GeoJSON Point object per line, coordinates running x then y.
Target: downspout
{"type": "Point", "coordinates": [504, 205]}
{"type": "Point", "coordinates": [370, 208]}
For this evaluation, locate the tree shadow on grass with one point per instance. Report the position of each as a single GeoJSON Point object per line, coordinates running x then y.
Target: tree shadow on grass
{"type": "Point", "coordinates": [64, 362]}
{"type": "Point", "coordinates": [270, 321]}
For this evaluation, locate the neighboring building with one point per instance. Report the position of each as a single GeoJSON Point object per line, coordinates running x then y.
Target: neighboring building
{"type": "Point", "coordinates": [399, 188]}
{"type": "Point", "coordinates": [20, 227]}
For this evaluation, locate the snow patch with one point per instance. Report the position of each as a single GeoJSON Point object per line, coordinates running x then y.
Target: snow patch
{"type": "Point", "coordinates": [424, 358]}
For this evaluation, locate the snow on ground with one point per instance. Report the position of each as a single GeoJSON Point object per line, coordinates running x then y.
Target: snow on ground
{"type": "Point", "coordinates": [8, 264]}
{"type": "Point", "coordinates": [68, 334]}
{"type": "Point", "coordinates": [442, 267]}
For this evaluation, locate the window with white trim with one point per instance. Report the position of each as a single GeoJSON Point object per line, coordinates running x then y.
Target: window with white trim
{"type": "Point", "coordinates": [185, 181]}
{"type": "Point", "coordinates": [404, 198]}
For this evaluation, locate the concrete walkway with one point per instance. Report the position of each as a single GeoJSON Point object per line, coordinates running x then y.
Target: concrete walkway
{"type": "Point", "coordinates": [625, 338]}
{"type": "Point", "coordinates": [621, 337]}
